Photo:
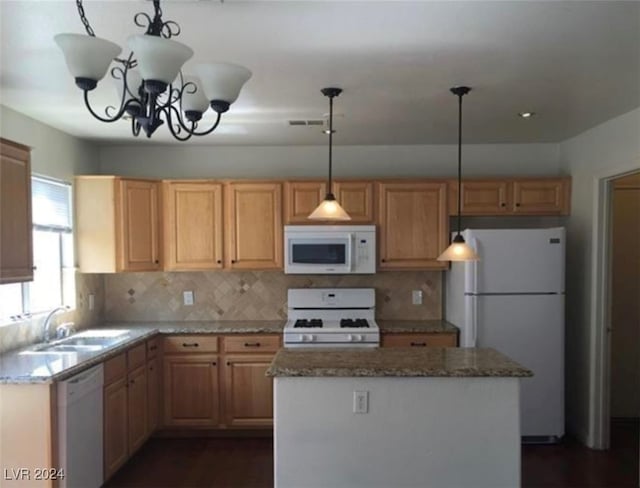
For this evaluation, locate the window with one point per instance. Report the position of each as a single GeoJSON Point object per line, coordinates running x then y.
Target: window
{"type": "Point", "coordinates": [54, 276]}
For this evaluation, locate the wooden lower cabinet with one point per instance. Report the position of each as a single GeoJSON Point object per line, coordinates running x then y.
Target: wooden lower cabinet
{"type": "Point", "coordinates": [191, 397]}
{"type": "Point", "coordinates": [137, 408]}
{"type": "Point", "coordinates": [154, 380]}
{"type": "Point", "coordinates": [115, 426]}
{"type": "Point", "coordinates": [248, 392]}
{"type": "Point", "coordinates": [420, 340]}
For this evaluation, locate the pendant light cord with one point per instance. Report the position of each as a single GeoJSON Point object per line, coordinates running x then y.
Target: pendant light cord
{"type": "Point", "coordinates": [459, 160]}
{"type": "Point", "coordinates": [329, 189]}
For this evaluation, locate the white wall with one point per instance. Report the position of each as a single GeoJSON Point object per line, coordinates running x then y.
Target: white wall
{"type": "Point", "coordinates": [187, 161]}
{"type": "Point", "coordinates": [54, 153]}
{"type": "Point", "coordinates": [602, 151]}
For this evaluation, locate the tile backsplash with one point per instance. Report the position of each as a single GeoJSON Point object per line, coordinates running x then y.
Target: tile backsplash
{"type": "Point", "coordinates": [257, 295]}
{"type": "Point", "coordinates": [18, 334]}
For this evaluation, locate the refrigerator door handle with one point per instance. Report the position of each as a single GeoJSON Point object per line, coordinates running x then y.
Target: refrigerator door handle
{"type": "Point", "coordinates": [474, 321]}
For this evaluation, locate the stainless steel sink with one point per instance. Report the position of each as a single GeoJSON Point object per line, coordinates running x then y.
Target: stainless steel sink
{"type": "Point", "coordinates": [89, 341]}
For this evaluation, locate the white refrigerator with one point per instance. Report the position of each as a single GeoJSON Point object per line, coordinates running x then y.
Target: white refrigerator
{"type": "Point", "coordinates": [512, 300]}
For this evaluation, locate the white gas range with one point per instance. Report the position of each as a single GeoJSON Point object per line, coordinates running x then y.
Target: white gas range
{"type": "Point", "coordinates": [331, 317]}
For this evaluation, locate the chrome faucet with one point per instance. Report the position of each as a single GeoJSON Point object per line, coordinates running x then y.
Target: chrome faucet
{"type": "Point", "coordinates": [47, 321]}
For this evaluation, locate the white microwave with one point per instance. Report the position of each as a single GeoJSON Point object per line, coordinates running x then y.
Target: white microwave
{"type": "Point", "coordinates": [329, 249]}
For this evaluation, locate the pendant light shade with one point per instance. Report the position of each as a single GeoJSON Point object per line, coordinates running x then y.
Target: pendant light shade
{"type": "Point", "coordinates": [459, 250]}
{"type": "Point", "coordinates": [329, 209]}
{"type": "Point", "coordinates": [87, 57]}
{"type": "Point", "coordinates": [159, 59]}
{"type": "Point", "coordinates": [222, 81]}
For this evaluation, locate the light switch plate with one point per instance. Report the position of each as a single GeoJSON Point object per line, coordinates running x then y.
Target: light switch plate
{"type": "Point", "coordinates": [360, 402]}
{"type": "Point", "coordinates": [187, 298]}
{"type": "Point", "coordinates": [416, 297]}
{"type": "Point", "coordinates": [92, 301]}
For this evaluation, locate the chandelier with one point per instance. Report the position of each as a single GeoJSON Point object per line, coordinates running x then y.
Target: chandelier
{"type": "Point", "coordinates": [150, 84]}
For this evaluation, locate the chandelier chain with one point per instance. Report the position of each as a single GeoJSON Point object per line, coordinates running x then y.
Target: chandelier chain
{"type": "Point", "coordinates": [84, 19]}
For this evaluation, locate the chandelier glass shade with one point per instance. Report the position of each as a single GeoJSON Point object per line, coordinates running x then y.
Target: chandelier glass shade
{"type": "Point", "coordinates": [459, 250]}
{"type": "Point", "coordinates": [329, 209]}
{"type": "Point", "coordinates": [150, 84]}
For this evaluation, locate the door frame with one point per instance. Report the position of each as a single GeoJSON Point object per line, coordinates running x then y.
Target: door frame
{"type": "Point", "coordinates": [600, 368]}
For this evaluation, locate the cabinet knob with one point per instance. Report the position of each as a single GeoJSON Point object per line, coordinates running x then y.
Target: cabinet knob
{"type": "Point", "coordinates": [228, 363]}
{"type": "Point", "coordinates": [133, 381]}
{"type": "Point", "coordinates": [219, 261]}
{"type": "Point", "coordinates": [383, 260]}
{"type": "Point", "coordinates": [233, 261]}
{"type": "Point", "coordinates": [503, 204]}
{"type": "Point", "coordinates": [418, 344]}
{"type": "Point", "coordinates": [153, 348]}
{"type": "Point", "coordinates": [190, 344]}
{"type": "Point", "coordinates": [251, 344]}
{"type": "Point", "coordinates": [517, 204]}
{"type": "Point", "coordinates": [214, 363]}
{"type": "Point", "coordinates": [150, 368]}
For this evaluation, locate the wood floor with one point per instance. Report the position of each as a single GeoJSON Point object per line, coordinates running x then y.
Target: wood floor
{"type": "Point", "coordinates": [248, 463]}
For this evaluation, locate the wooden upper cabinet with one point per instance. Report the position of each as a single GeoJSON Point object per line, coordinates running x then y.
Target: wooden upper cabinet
{"type": "Point", "coordinates": [16, 247]}
{"type": "Point", "coordinates": [139, 203]}
{"type": "Point", "coordinates": [488, 197]}
{"type": "Point", "coordinates": [356, 197]}
{"type": "Point", "coordinates": [413, 222]}
{"type": "Point", "coordinates": [541, 196]}
{"type": "Point", "coordinates": [302, 198]}
{"type": "Point", "coordinates": [508, 196]}
{"type": "Point", "coordinates": [254, 230]}
{"type": "Point", "coordinates": [193, 225]}
{"type": "Point", "coordinates": [117, 224]}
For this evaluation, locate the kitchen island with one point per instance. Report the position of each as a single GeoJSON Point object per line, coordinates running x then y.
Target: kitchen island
{"type": "Point", "coordinates": [401, 417]}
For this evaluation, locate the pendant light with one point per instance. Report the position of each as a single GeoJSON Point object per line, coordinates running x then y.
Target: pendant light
{"type": "Point", "coordinates": [459, 250]}
{"type": "Point", "coordinates": [329, 208]}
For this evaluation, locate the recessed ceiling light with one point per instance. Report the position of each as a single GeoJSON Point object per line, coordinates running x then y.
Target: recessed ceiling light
{"type": "Point", "coordinates": [526, 115]}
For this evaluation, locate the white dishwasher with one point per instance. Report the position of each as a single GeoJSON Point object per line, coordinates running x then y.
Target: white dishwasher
{"type": "Point", "coordinates": [80, 429]}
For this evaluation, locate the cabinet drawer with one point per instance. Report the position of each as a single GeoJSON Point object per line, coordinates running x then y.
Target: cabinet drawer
{"type": "Point", "coordinates": [419, 340]}
{"type": "Point", "coordinates": [153, 347]}
{"type": "Point", "coordinates": [190, 343]}
{"type": "Point", "coordinates": [115, 368]}
{"type": "Point", "coordinates": [136, 356]}
{"type": "Point", "coordinates": [252, 343]}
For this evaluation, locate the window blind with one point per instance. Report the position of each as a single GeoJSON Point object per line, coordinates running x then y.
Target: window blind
{"type": "Point", "coordinates": [51, 203]}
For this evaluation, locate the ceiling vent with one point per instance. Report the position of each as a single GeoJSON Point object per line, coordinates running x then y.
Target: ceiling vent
{"type": "Point", "coordinates": [313, 122]}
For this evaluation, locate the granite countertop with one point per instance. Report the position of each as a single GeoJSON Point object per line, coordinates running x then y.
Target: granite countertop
{"type": "Point", "coordinates": [416, 326]}
{"type": "Point", "coordinates": [24, 366]}
{"type": "Point", "coordinates": [395, 361]}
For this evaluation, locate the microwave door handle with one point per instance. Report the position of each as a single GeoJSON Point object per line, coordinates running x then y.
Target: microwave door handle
{"type": "Point", "coordinates": [351, 252]}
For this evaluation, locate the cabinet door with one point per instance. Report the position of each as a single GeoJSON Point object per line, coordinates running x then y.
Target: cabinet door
{"type": "Point", "coordinates": [540, 197]}
{"type": "Point", "coordinates": [413, 224]}
{"type": "Point", "coordinates": [248, 392]}
{"type": "Point", "coordinates": [193, 225]}
{"type": "Point", "coordinates": [115, 426]}
{"type": "Point", "coordinates": [138, 225]}
{"type": "Point", "coordinates": [480, 197]}
{"type": "Point", "coordinates": [154, 378]}
{"type": "Point", "coordinates": [191, 390]}
{"type": "Point", "coordinates": [255, 225]}
{"type": "Point", "coordinates": [356, 197]}
{"type": "Point", "coordinates": [302, 198]}
{"type": "Point", "coordinates": [419, 340]}
{"type": "Point", "coordinates": [16, 256]}
{"type": "Point", "coordinates": [137, 408]}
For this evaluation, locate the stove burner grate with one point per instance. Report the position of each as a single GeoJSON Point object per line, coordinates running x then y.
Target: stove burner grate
{"type": "Point", "coordinates": [354, 323]}
{"type": "Point", "coordinates": [308, 323]}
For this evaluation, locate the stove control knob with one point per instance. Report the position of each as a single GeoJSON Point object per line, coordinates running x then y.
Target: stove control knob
{"type": "Point", "coordinates": [354, 337]}
{"type": "Point", "coordinates": [307, 338]}
{"type": "Point", "coordinates": [358, 338]}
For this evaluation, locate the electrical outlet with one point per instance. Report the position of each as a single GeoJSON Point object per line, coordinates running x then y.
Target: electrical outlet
{"type": "Point", "coordinates": [416, 297]}
{"type": "Point", "coordinates": [360, 402]}
{"type": "Point", "coordinates": [92, 301]}
{"type": "Point", "coordinates": [187, 298]}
